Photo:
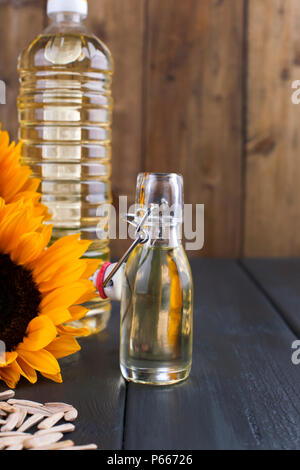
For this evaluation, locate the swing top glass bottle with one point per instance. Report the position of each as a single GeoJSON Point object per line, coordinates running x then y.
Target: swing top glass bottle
{"type": "Point", "coordinates": [157, 293]}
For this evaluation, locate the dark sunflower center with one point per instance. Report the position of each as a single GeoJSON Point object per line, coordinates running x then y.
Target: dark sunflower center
{"type": "Point", "coordinates": [19, 301]}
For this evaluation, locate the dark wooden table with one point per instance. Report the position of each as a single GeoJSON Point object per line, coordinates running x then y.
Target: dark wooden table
{"type": "Point", "coordinates": [243, 393]}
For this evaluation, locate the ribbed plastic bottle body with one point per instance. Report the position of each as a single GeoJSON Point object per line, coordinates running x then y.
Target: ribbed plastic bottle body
{"type": "Point", "coordinates": [65, 114]}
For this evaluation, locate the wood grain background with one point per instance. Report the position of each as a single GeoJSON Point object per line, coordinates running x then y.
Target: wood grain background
{"type": "Point", "coordinates": [202, 87]}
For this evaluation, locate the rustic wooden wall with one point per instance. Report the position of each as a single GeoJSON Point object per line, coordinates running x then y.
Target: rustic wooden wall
{"type": "Point", "coordinates": [202, 87]}
{"type": "Point", "coordinates": [272, 215]}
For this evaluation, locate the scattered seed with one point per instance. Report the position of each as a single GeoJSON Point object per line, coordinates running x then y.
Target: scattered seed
{"type": "Point", "coordinates": [10, 441]}
{"type": "Point", "coordinates": [7, 394]}
{"type": "Point", "coordinates": [22, 415]}
{"type": "Point", "coordinates": [11, 422]}
{"type": "Point", "coordinates": [71, 415]}
{"type": "Point", "coordinates": [56, 446]}
{"type": "Point", "coordinates": [51, 421]}
{"type": "Point", "coordinates": [13, 414]}
{"type": "Point", "coordinates": [32, 404]}
{"type": "Point", "coordinates": [15, 447]}
{"type": "Point", "coordinates": [87, 447]}
{"type": "Point", "coordinates": [4, 406]}
{"type": "Point", "coordinates": [41, 441]}
{"type": "Point", "coordinates": [67, 427]}
{"type": "Point", "coordinates": [31, 422]}
{"type": "Point", "coordinates": [55, 407]}
{"type": "Point", "coordinates": [34, 411]}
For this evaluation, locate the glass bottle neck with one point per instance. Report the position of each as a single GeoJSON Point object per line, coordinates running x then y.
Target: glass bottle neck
{"type": "Point", "coordinates": [66, 23]}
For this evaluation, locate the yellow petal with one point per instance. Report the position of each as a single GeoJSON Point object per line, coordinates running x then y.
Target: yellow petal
{"type": "Point", "coordinates": [4, 137]}
{"type": "Point", "coordinates": [64, 296]}
{"type": "Point", "coordinates": [28, 372]}
{"type": "Point", "coordinates": [47, 234]}
{"type": "Point", "coordinates": [56, 378]}
{"type": "Point", "coordinates": [63, 250]}
{"type": "Point", "coordinates": [32, 184]}
{"type": "Point", "coordinates": [9, 358]}
{"type": "Point", "coordinates": [10, 232]}
{"type": "Point", "coordinates": [63, 346]}
{"type": "Point", "coordinates": [10, 375]}
{"type": "Point", "coordinates": [77, 312]}
{"type": "Point", "coordinates": [40, 332]}
{"type": "Point", "coordinates": [58, 315]}
{"type": "Point", "coordinates": [35, 197]}
{"type": "Point", "coordinates": [19, 223]}
{"type": "Point", "coordinates": [71, 331]}
{"type": "Point", "coordinates": [29, 248]}
{"type": "Point", "coordinates": [68, 274]}
{"type": "Point", "coordinates": [91, 267]}
{"type": "Point", "coordinates": [16, 182]}
{"type": "Point", "coordinates": [41, 360]}
{"type": "Point", "coordinates": [86, 297]}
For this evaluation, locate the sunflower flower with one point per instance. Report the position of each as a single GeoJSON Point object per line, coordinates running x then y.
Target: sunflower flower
{"type": "Point", "coordinates": [15, 179]}
{"type": "Point", "coordinates": [41, 289]}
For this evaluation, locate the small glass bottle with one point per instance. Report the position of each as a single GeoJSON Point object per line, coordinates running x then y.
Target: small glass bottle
{"type": "Point", "coordinates": [157, 291]}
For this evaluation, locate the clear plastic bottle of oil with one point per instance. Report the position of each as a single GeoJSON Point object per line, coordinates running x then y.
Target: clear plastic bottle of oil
{"type": "Point", "coordinates": [157, 293]}
{"type": "Point", "coordinates": [65, 115]}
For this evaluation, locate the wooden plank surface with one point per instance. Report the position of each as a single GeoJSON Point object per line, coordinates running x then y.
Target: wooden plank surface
{"type": "Point", "coordinates": [93, 384]}
{"type": "Point", "coordinates": [193, 108]}
{"type": "Point", "coordinates": [20, 22]}
{"type": "Point", "coordinates": [272, 219]}
{"type": "Point", "coordinates": [243, 392]}
{"type": "Point", "coordinates": [280, 279]}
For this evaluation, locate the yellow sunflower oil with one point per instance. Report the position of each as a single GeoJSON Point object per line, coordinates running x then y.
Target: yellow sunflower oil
{"type": "Point", "coordinates": [157, 316]}
{"type": "Point", "coordinates": [65, 115]}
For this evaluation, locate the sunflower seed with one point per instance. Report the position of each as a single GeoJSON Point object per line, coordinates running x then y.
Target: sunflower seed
{"type": "Point", "coordinates": [71, 415]}
{"type": "Point", "coordinates": [67, 427]}
{"type": "Point", "coordinates": [87, 447]}
{"type": "Point", "coordinates": [11, 422]}
{"type": "Point", "coordinates": [35, 411]}
{"type": "Point", "coordinates": [4, 406]}
{"type": "Point", "coordinates": [41, 441]}
{"type": "Point", "coordinates": [14, 434]}
{"type": "Point", "coordinates": [31, 422]}
{"type": "Point", "coordinates": [7, 394]}
{"type": "Point", "coordinates": [10, 441]}
{"type": "Point", "coordinates": [13, 414]}
{"type": "Point", "coordinates": [55, 407]}
{"type": "Point", "coordinates": [32, 404]}
{"type": "Point", "coordinates": [51, 421]}
{"type": "Point", "coordinates": [22, 415]}
{"type": "Point", "coordinates": [55, 446]}
{"type": "Point", "coordinates": [15, 447]}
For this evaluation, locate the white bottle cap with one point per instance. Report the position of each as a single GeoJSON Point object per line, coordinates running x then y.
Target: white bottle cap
{"type": "Point", "coordinates": [74, 6]}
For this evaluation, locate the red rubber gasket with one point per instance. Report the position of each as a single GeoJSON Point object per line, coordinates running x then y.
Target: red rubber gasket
{"type": "Point", "coordinates": [100, 279]}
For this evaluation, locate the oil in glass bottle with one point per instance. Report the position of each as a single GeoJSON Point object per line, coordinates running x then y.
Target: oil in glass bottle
{"type": "Point", "coordinates": [157, 292]}
{"type": "Point", "coordinates": [65, 114]}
